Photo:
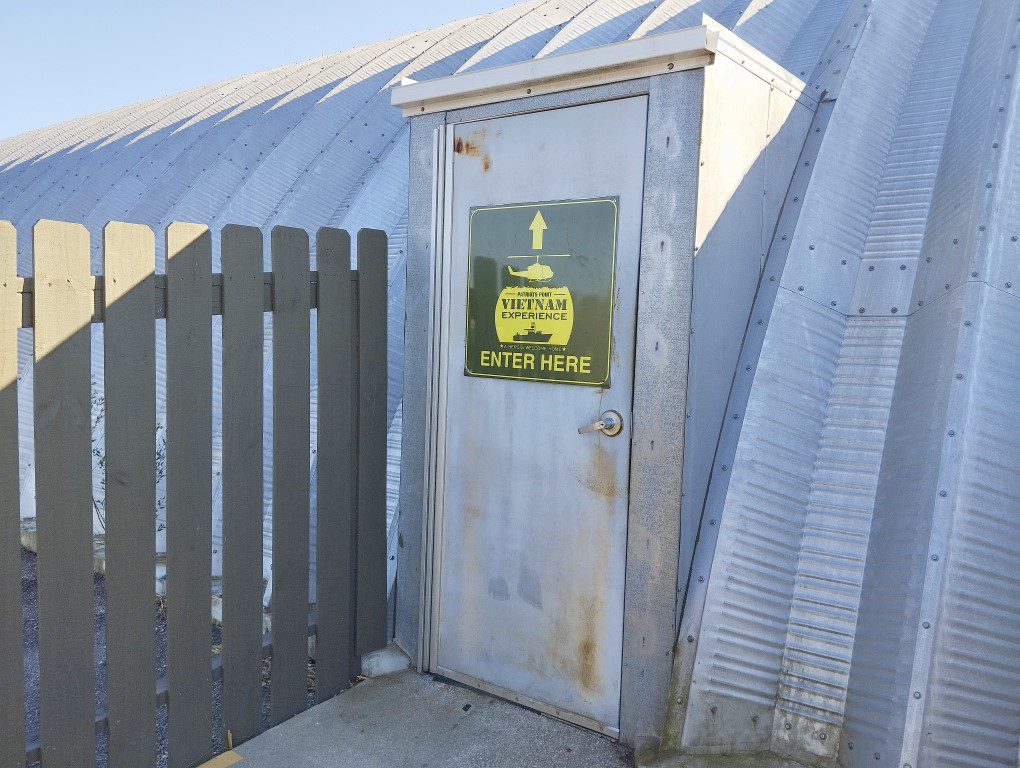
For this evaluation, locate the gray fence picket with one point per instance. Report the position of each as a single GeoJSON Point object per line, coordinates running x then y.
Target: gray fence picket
{"type": "Point", "coordinates": [371, 562]}
{"type": "Point", "coordinates": [189, 492]}
{"type": "Point", "coordinates": [291, 429]}
{"type": "Point", "coordinates": [63, 449]}
{"type": "Point", "coordinates": [12, 675]}
{"type": "Point", "coordinates": [337, 420]}
{"type": "Point", "coordinates": [130, 377]}
{"type": "Point", "coordinates": [241, 255]}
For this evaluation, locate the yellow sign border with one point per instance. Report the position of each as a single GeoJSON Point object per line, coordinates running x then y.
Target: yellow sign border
{"type": "Point", "coordinates": [614, 201]}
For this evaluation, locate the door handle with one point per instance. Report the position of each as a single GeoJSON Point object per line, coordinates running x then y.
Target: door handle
{"type": "Point", "coordinates": [610, 424]}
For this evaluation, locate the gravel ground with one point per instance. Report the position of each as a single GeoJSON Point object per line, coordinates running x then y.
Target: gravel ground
{"type": "Point", "coordinates": [30, 614]}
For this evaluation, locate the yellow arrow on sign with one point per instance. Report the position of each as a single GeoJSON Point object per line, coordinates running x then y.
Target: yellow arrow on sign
{"type": "Point", "coordinates": [538, 228]}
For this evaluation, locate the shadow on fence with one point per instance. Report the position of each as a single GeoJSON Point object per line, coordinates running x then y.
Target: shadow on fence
{"type": "Point", "coordinates": [61, 302]}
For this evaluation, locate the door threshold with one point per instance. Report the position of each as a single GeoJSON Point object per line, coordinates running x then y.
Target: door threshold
{"type": "Point", "coordinates": [529, 703]}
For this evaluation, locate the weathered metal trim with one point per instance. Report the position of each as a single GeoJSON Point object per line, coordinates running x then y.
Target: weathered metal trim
{"type": "Point", "coordinates": [691, 48]}
{"type": "Point", "coordinates": [632, 59]}
{"type": "Point", "coordinates": [411, 548]}
{"type": "Point", "coordinates": [661, 354]}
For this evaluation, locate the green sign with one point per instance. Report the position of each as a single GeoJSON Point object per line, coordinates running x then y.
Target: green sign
{"type": "Point", "coordinates": [540, 291]}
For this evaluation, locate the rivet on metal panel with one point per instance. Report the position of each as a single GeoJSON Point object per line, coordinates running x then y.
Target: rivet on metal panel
{"type": "Point", "coordinates": [917, 694]}
{"type": "Point", "coordinates": [920, 303]}
{"type": "Point", "coordinates": [832, 303]}
{"type": "Point", "coordinates": [926, 625]}
{"type": "Point", "coordinates": [959, 376]}
{"type": "Point", "coordinates": [843, 262]}
{"type": "Point", "coordinates": [823, 736]}
{"type": "Point", "coordinates": [947, 286]}
{"type": "Point", "coordinates": [701, 579]}
{"type": "Point", "coordinates": [903, 266]}
{"type": "Point", "coordinates": [967, 324]}
{"type": "Point", "coordinates": [952, 433]}
{"type": "Point", "coordinates": [850, 745]}
{"type": "Point", "coordinates": [861, 310]}
{"type": "Point", "coordinates": [894, 310]}
{"type": "Point", "coordinates": [669, 66]}
{"type": "Point", "coordinates": [935, 558]}
{"type": "Point", "coordinates": [772, 279]}
{"type": "Point", "coordinates": [800, 288]}
{"type": "Point", "coordinates": [810, 247]}
{"type": "Point", "coordinates": [690, 638]}
{"type": "Point", "coordinates": [711, 522]}
{"type": "Point", "coordinates": [871, 268]}
{"type": "Point", "coordinates": [943, 494]}
{"type": "Point", "coordinates": [1009, 285]}
{"type": "Point", "coordinates": [787, 725]}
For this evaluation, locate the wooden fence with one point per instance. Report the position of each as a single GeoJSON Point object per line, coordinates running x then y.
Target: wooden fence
{"type": "Point", "coordinates": [60, 302]}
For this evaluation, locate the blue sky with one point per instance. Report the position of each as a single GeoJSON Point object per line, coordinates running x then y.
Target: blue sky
{"type": "Point", "coordinates": [61, 59]}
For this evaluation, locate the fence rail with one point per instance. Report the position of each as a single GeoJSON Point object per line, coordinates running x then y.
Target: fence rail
{"type": "Point", "coordinates": [60, 302]}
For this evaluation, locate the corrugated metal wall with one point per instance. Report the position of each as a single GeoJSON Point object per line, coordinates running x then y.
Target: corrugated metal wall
{"type": "Point", "coordinates": [859, 603]}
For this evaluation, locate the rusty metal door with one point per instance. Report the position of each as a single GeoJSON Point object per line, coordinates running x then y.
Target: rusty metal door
{"type": "Point", "coordinates": [529, 524]}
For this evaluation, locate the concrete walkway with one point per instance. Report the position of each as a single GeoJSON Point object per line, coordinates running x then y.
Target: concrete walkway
{"type": "Point", "coordinates": [407, 720]}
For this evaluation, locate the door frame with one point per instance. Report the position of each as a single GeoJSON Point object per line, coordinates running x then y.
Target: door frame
{"type": "Point", "coordinates": [660, 377]}
{"type": "Point", "coordinates": [445, 297]}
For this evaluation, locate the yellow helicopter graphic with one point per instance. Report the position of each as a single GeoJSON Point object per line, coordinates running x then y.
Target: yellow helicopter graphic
{"type": "Point", "coordinates": [537, 272]}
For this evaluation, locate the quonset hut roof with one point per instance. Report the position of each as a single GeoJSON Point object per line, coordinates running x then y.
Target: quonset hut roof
{"type": "Point", "coordinates": [318, 144]}
{"type": "Point", "coordinates": [857, 562]}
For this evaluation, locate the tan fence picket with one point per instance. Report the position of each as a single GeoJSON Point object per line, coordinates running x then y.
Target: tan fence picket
{"type": "Point", "coordinates": [189, 492]}
{"type": "Point", "coordinates": [241, 255]}
{"type": "Point", "coordinates": [371, 585]}
{"type": "Point", "coordinates": [337, 423]}
{"type": "Point", "coordinates": [12, 676]}
{"type": "Point", "coordinates": [63, 310]}
{"type": "Point", "coordinates": [291, 431]}
{"type": "Point", "coordinates": [130, 376]}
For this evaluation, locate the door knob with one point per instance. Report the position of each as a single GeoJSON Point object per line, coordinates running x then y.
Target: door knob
{"type": "Point", "coordinates": [610, 424]}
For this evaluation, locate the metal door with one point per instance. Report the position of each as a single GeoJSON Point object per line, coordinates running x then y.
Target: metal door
{"type": "Point", "coordinates": [530, 521]}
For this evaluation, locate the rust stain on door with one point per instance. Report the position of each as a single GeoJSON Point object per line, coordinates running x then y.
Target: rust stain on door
{"type": "Point", "coordinates": [589, 670]}
{"type": "Point", "coordinates": [599, 473]}
{"type": "Point", "coordinates": [473, 146]}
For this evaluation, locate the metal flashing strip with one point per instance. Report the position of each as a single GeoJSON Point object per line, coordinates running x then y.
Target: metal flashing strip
{"type": "Point", "coordinates": [691, 48]}
{"type": "Point", "coordinates": [677, 51]}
